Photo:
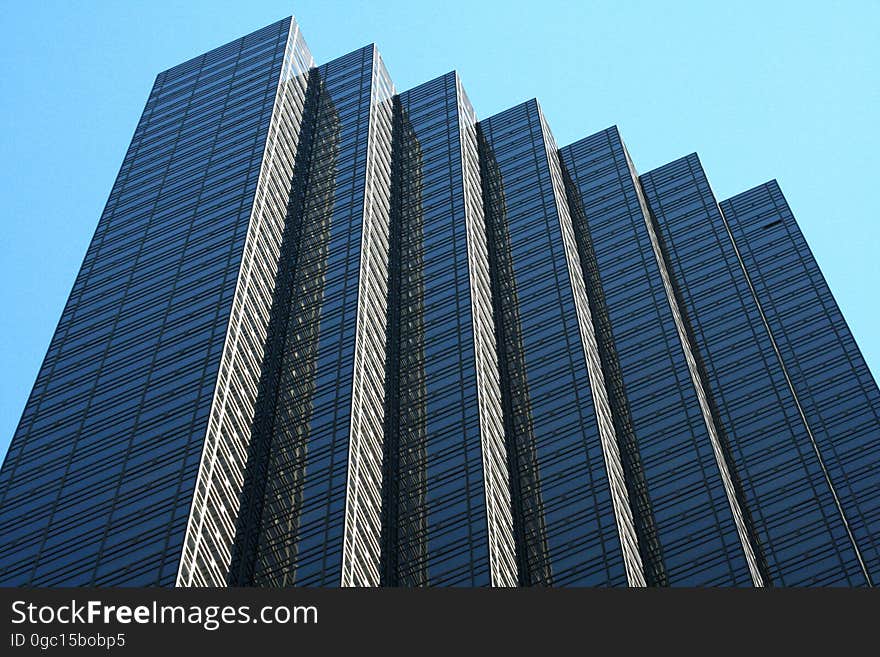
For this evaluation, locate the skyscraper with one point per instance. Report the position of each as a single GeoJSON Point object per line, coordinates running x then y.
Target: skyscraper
{"type": "Point", "coordinates": [327, 334]}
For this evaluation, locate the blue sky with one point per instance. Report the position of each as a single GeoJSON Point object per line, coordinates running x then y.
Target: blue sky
{"type": "Point", "coordinates": [785, 90]}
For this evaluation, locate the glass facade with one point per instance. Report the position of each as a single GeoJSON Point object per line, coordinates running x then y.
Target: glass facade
{"type": "Point", "coordinates": [100, 476]}
{"type": "Point", "coordinates": [833, 387]}
{"type": "Point", "coordinates": [799, 528]}
{"type": "Point", "coordinates": [309, 482]}
{"type": "Point", "coordinates": [687, 531]}
{"type": "Point", "coordinates": [328, 334]}
{"type": "Point", "coordinates": [437, 525]}
{"type": "Point", "coordinates": [209, 534]}
{"type": "Point", "coordinates": [564, 517]}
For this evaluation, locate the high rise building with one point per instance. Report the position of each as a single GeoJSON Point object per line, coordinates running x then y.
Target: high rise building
{"type": "Point", "coordinates": [327, 334]}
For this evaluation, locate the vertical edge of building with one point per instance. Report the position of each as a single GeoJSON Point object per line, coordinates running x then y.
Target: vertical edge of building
{"type": "Point", "coordinates": [660, 401]}
{"type": "Point", "coordinates": [312, 476]}
{"type": "Point", "coordinates": [654, 219]}
{"type": "Point", "coordinates": [748, 547]}
{"type": "Point", "coordinates": [604, 203]}
{"type": "Point", "coordinates": [207, 547]}
{"type": "Point", "coordinates": [447, 505]}
{"type": "Point", "coordinates": [502, 556]}
{"type": "Point", "coordinates": [363, 502]}
{"type": "Point", "coordinates": [565, 503]}
{"type": "Point", "coordinates": [614, 467]}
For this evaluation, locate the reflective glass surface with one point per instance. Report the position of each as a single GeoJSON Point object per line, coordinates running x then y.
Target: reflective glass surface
{"type": "Point", "coordinates": [687, 533]}
{"type": "Point", "coordinates": [800, 533]}
{"type": "Point", "coordinates": [99, 478]}
{"type": "Point", "coordinates": [326, 334]}
{"type": "Point", "coordinates": [436, 526]}
{"type": "Point", "coordinates": [563, 518]}
{"type": "Point", "coordinates": [297, 479]}
{"type": "Point", "coordinates": [834, 387]}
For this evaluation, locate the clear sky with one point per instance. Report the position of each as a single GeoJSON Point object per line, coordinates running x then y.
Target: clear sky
{"type": "Point", "coordinates": [761, 90]}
